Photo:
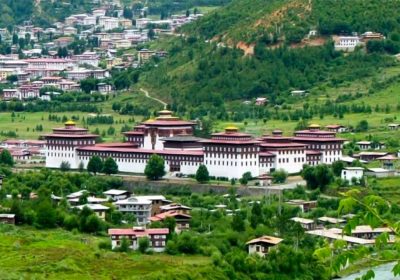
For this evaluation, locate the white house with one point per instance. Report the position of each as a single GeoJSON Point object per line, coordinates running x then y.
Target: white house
{"type": "Point", "coordinates": [349, 173]}
{"type": "Point", "coordinates": [98, 209]}
{"type": "Point", "coordinates": [262, 245]}
{"type": "Point", "coordinates": [346, 43]}
{"type": "Point", "coordinates": [140, 207]}
{"type": "Point", "coordinates": [116, 195]}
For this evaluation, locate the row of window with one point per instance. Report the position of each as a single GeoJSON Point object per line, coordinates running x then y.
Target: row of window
{"type": "Point", "coordinates": [230, 149]}
{"type": "Point", "coordinates": [230, 163]}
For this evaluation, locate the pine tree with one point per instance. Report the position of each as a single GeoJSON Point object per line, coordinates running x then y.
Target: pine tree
{"type": "Point", "coordinates": [110, 166]}
{"type": "Point", "coordinates": [95, 165]}
{"type": "Point", "coordinates": [202, 175]}
{"type": "Point", "coordinates": [6, 158]}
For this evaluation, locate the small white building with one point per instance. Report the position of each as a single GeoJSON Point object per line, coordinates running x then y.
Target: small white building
{"type": "Point", "coordinates": [116, 195]}
{"type": "Point", "coordinates": [262, 245]}
{"type": "Point", "coordinates": [349, 173]}
{"type": "Point", "coordinates": [346, 43]}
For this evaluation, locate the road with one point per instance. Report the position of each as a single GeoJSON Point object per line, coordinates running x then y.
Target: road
{"type": "Point", "coordinates": [146, 93]}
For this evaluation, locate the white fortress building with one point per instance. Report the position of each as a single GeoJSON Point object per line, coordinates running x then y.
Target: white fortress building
{"type": "Point", "coordinates": [227, 154]}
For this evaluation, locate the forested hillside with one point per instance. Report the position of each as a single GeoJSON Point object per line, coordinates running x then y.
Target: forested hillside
{"type": "Point", "coordinates": [203, 74]}
{"type": "Point", "coordinates": [268, 21]}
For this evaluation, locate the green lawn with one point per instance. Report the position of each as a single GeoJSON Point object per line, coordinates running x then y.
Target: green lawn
{"type": "Point", "coordinates": [27, 253]}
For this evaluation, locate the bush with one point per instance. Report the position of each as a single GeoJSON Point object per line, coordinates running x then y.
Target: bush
{"type": "Point", "coordinates": [279, 176]}
{"type": "Point", "coordinates": [105, 245]}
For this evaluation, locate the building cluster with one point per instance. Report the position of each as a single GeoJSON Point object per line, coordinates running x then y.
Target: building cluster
{"type": "Point", "coordinates": [25, 150]}
{"type": "Point", "coordinates": [33, 74]}
{"type": "Point", "coordinates": [43, 65]}
{"type": "Point", "coordinates": [146, 209]}
{"type": "Point", "coordinates": [227, 154]}
{"type": "Point", "coordinates": [349, 43]}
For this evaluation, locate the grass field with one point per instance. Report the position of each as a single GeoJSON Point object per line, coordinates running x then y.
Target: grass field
{"type": "Point", "coordinates": [56, 254]}
{"type": "Point", "coordinates": [24, 123]}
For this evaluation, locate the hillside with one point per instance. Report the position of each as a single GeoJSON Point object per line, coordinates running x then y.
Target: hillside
{"type": "Point", "coordinates": [202, 77]}
{"type": "Point", "coordinates": [290, 20]}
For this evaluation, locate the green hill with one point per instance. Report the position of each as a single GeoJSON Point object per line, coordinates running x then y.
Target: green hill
{"type": "Point", "coordinates": [206, 74]}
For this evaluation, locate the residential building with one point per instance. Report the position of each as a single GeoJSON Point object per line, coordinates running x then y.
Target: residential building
{"type": "Point", "coordinates": [98, 209]}
{"type": "Point", "coordinates": [116, 195]}
{"type": "Point", "coordinates": [352, 173]}
{"type": "Point", "coordinates": [156, 236]}
{"type": "Point", "coordinates": [140, 207]}
{"type": "Point", "coordinates": [262, 245]}
{"type": "Point", "coordinates": [346, 43]}
{"type": "Point", "coordinates": [7, 219]}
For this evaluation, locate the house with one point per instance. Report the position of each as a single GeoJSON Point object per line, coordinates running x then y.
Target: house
{"type": "Point", "coordinates": [138, 206]}
{"type": "Point", "coordinates": [144, 55]}
{"type": "Point", "coordinates": [346, 43]}
{"type": "Point", "coordinates": [333, 234]}
{"type": "Point", "coordinates": [388, 162]}
{"type": "Point", "coordinates": [351, 173]}
{"type": "Point", "coordinates": [116, 195]}
{"type": "Point", "coordinates": [157, 237]}
{"type": "Point", "coordinates": [330, 221]}
{"type": "Point", "coordinates": [369, 36]}
{"type": "Point", "coordinates": [369, 145]}
{"type": "Point", "coordinates": [175, 207]}
{"type": "Point", "coordinates": [104, 88]}
{"type": "Point", "coordinates": [369, 156]}
{"type": "Point", "coordinates": [156, 202]}
{"type": "Point", "coordinates": [380, 172]}
{"type": "Point", "coordinates": [304, 205]}
{"type": "Point", "coordinates": [98, 209]}
{"type": "Point", "coordinates": [182, 220]}
{"type": "Point", "coordinates": [262, 245]}
{"type": "Point", "coordinates": [336, 128]}
{"type": "Point", "coordinates": [7, 219]}
{"type": "Point", "coordinates": [307, 224]}
{"type": "Point", "coordinates": [261, 101]}
{"type": "Point", "coordinates": [299, 92]}
{"type": "Point", "coordinates": [393, 126]}
{"type": "Point", "coordinates": [264, 180]}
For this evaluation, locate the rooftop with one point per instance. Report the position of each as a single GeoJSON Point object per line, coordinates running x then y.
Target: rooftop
{"type": "Point", "coordinates": [265, 239]}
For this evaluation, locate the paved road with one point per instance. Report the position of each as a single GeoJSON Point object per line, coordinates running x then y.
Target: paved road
{"type": "Point", "coordinates": [146, 93]}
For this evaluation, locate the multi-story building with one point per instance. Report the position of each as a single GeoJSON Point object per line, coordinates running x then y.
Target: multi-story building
{"type": "Point", "coordinates": [139, 206]}
{"type": "Point", "coordinates": [228, 154]}
{"type": "Point", "coordinates": [63, 142]}
{"type": "Point", "coordinates": [157, 237]}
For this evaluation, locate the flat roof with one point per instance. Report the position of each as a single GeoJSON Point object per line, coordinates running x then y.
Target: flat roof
{"type": "Point", "coordinates": [302, 220]}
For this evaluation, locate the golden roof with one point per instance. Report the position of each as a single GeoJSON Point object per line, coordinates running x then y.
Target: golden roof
{"type": "Point", "coordinates": [314, 125]}
{"type": "Point", "coordinates": [231, 127]}
{"type": "Point", "coordinates": [70, 122]}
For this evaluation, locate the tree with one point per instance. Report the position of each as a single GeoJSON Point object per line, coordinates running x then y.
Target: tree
{"type": "Point", "coordinates": [279, 176]}
{"type": "Point", "coordinates": [45, 214]}
{"type": "Point", "coordinates": [337, 167]}
{"type": "Point", "coordinates": [110, 166]}
{"type": "Point", "coordinates": [362, 126]}
{"type": "Point", "coordinates": [202, 175]}
{"type": "Point", "coordinates": [65, 166]}
{"type": "Point", "coordinates": [238, 223]}
{"type": "Point", "coordinates": [319, 176]}
{"type": "Point", "coordinates": [95, 165]}
{"type": "Point", "coordinates": [246, 177]}
{"type": "Point", "coordinates": [144, 244]}
{"type": "Point", "coordinates": [81, 166]}
{"type": "Point", "coordinates": [155, 167]}
{"type": "Point", "coordinates": [256, 215]}
{"type": "Point", "coordinates": [6, 158]}
{"type": "Point", "coordinates": [124, 247]}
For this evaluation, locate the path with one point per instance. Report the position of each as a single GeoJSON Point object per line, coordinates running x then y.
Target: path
{"type": "Point", "coordinates": [146, 93]}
